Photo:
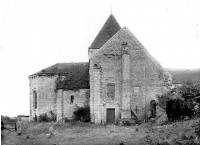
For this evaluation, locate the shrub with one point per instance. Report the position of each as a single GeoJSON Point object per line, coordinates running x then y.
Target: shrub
{"type": "Point", "coordinates": [82, 114]}
{"type": "Point", "coordinates": [190, 90]}
{"type": "Point", "coordinates": [47, 118]}
{"type": "Point", "coordinates": [181, 102]}
{"type": "Point", "coordinates": [43, 118]}
{"type": "Point", "coordinates": [177, 109]}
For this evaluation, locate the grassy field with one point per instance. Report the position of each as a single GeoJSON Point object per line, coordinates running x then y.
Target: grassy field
{"type": "Point", "coordinates": [86, 133]}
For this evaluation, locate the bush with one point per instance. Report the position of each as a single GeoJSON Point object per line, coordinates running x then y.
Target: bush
{"type": "Point", "coordinates": [177, 109]}
{"type": "Point", "coordinates": [47, 118]}
{"type": "Point", "coordinates": [190, 90]}
{"type": "Point", "coordinates": [181, 102]}
{"type": "Point", "coordinates": [43, 118]}
{"type": "Point", "coordinates": [82, 114]}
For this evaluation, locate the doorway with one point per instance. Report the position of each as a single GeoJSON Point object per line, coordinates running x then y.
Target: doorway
{"type": "Point", "coordinates": [153, 109]}
{"type": "Point", "coordinates": [110, 116]}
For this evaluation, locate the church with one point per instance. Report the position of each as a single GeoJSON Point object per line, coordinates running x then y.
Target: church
{"type": "Point", "coordinates": [121, 80]}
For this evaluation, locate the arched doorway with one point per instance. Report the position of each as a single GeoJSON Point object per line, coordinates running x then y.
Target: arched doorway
{"type": "Point", "coordinates": [153, 109]}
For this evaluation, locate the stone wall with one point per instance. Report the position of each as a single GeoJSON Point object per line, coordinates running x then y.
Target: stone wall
{"type": "Point", "coordinates": [46, 96]}
{"type": "Point", "coordinates": [58, 101]}
{"type": "Point", "coordinates": [107, 71]}
{"type": "Point", "coordinates": [138, 78]}
{"type": "Point", "coordinates": [66, 106]}
{"type": "Point", "coordinates": [91, 52]}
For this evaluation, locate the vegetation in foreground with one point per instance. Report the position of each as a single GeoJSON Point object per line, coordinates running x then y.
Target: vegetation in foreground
{"type": "Point", "coordinates": [181, 102]}
{"type": "Point", "coordinates": [173, 133]}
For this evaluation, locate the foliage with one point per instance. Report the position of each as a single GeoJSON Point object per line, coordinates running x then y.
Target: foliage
{"type": "Point", "coordinates": [178, 109]}
{"type": "Point", "coordinates": [190, 90]}
{"type": "Point", "coordinates": [43, 118]}
{"type": "Point", "coordinates": [51, 117]}
{"type": "Point", "coordinates": [181, 102]}
{"type": "Point", "coordinates": [82, 114]}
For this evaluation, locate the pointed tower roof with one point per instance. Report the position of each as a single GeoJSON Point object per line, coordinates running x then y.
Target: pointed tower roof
{"type": "Point", "coordinates": [110, 28]}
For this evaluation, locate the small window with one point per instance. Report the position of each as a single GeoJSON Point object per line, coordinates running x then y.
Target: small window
{"type": "Point", "coordinates": [111, 90]}
{"type": "Point", "coordinates": [34, 99]}
{"type": "Point", "coordinates": [72, 99]}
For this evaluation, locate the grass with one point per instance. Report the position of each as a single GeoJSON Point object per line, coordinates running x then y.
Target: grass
{"type": "Point", "coordinates": [88, 133]}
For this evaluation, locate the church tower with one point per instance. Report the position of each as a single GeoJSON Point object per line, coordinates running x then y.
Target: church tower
{"type": "Point", "coordinates": [110, 28]}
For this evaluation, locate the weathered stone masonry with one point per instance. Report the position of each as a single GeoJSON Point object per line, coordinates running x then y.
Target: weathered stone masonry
{"type": "Point", "coordinates": [46, 96]}
{"type": "Point", "coordinates": [65, 107]}
{"type": "Point", "coordinates": [57, 101]}
{"type": "Point", "coordinates": [138, 78]}
{"type": "Point", "coordinates": [61, 89]}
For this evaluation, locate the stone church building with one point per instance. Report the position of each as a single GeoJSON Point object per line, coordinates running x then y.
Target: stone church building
{"type": "Point", "coordinates": [121, 80]}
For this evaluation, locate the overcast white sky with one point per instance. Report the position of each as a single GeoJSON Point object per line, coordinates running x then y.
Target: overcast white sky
{"type": "Point", "coordinates": [35, 34]}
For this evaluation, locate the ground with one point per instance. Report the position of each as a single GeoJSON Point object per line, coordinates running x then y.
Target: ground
{"type": "Point", "coordinates": [87, 133]}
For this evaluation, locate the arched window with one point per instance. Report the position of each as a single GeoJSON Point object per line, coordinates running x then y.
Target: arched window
{"type": "Point", "coordinates": [72, 99]}
{"type": "Point", "coordinates": [34, 99]}
{"type": "Point", "coordinates": [153, 109]}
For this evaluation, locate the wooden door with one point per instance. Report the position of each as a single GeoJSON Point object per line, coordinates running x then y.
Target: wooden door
{"type": "Point", "coordinates": [110, 116]}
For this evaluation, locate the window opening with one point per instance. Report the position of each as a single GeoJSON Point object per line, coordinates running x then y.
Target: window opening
{"type": "Point", "coordinates": [72, 99]}
{"type": "Point", "coordinates": [35, 99]}
{"type": "Point", "coordinates": [153, 109]}
{"type": "Point", "coordinates": [111, 90]}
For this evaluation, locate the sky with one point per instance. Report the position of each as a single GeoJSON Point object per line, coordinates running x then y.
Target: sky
{"type": "Point", "coordinates": [35, 34]}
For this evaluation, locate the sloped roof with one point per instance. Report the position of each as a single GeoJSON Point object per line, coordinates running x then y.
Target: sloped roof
{"type": "Point", "coordinates": [76, 75]}
{"type": "Point", "coordinates": [110, 28]}
{"type": "Point", "coordinates": [183, 75]}
{"type": "Point", "coordinates": [117, 51]}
